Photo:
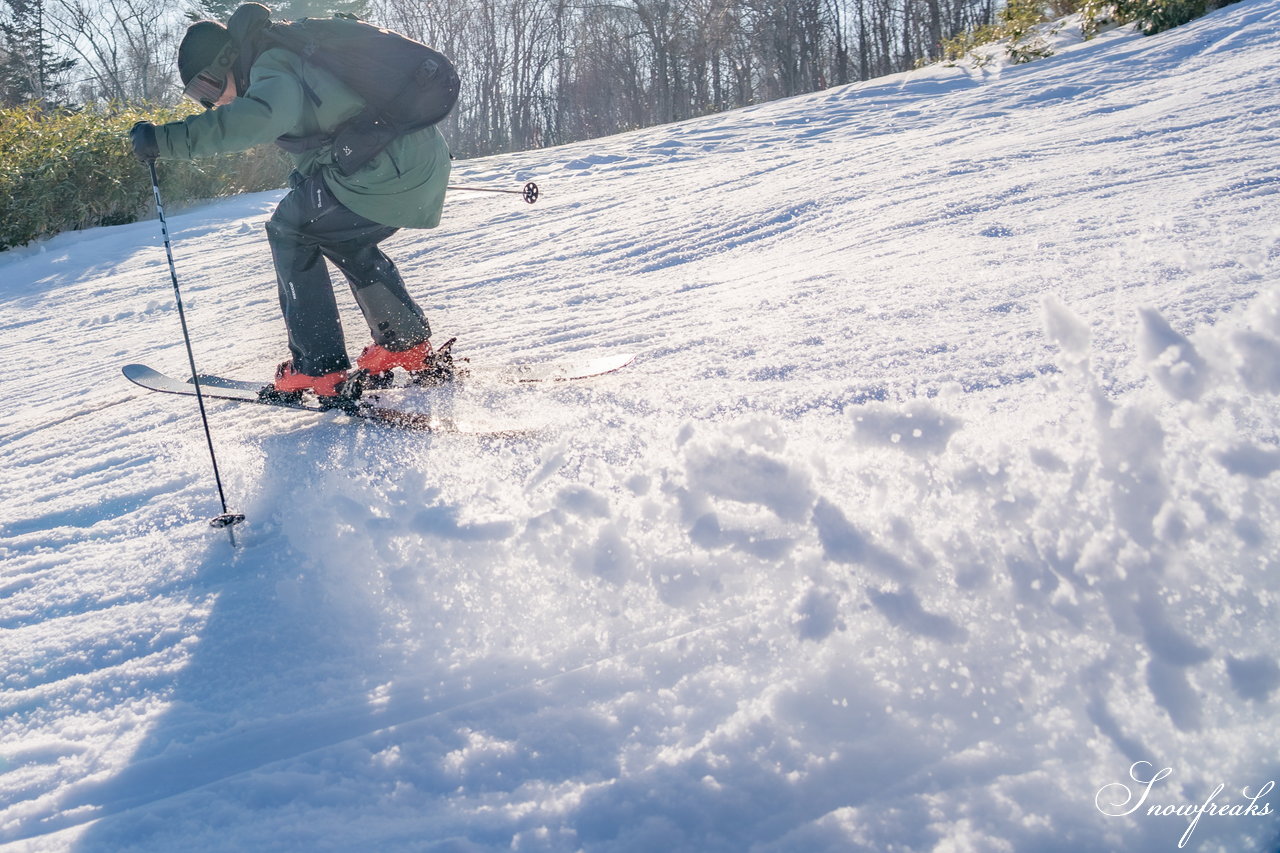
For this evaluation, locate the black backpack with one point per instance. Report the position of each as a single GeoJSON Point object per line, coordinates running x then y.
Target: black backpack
{"type": "Point", "coordinates": [406, 86]}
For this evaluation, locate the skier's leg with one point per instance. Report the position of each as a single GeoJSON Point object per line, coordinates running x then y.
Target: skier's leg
{"type": "Point", "coordinates": [310, 225]}
{"type": "Point", "coordinates": [395, 320]}
{"type": "Point", "coordinates": [306, 292]}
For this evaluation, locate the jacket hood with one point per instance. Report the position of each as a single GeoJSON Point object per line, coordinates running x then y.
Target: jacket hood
{"type": "Point", "coordinates": [246, 26]}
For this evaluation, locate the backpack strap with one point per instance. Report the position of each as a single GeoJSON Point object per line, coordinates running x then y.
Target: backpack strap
{"type": "Point", "coordinates": [294, 38]}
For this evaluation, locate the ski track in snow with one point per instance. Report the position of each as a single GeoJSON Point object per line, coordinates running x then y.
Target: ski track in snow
{"type": "Point", "coordinates": [943, 492]}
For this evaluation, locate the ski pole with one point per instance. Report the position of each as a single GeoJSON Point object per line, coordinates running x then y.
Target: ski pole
{"type": "Point", "coordinates": [226, 519]}
{"type": "Point", "coordinates": [529, 192]}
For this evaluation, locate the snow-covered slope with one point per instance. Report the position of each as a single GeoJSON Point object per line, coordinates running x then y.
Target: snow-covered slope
{"type": "Point", "coordinates": [940, 498]}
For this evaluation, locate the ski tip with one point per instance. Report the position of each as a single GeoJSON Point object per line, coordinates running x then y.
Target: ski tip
{"type": "Point", "coordinates": [140, 374]}
{"type": "Point", "coordinates": [609, 363]}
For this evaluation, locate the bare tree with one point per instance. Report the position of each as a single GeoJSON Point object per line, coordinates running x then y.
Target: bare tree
{"type": "Point", "coordinates": [126, 48]}
{"type": "Point", "coordinates": [538, 72]}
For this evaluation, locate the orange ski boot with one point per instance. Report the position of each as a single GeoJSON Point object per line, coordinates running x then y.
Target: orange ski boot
{"type": "Point", "coordinates": [426, 366]}
{"type": "Point", "coordinates": [330, 389]}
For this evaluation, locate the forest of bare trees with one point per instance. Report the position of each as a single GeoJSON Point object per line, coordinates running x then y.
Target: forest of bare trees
{"type": "Point", "coordinates": [535, 72]}
{"type": "Point", "coordinates": [542, 72]}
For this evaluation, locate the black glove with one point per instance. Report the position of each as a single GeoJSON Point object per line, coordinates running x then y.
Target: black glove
{"type": "Point", "coordinates": [143, 137]}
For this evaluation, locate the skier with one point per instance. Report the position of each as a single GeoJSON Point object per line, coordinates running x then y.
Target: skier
{"type": "Point", "coordinates": [256, 93]}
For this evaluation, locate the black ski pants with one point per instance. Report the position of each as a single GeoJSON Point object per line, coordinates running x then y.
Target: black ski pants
{"type": "Point", "coordinates": [309, 226]}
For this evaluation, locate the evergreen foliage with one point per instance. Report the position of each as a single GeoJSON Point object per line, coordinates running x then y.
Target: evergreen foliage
{"type": "Point", "coordinates": [29, 68]}
{"type": "Point", "coordinates": [1023, 24]}
{"type": "Point", "coordinates": [1151, 16]}
{"type": "Point", "coordinates": [62, 170]}
{"type": "Point", "coordinates": [1020, 25]}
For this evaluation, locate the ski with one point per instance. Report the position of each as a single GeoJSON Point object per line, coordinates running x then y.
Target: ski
{"type": "Point", "coordinates": [242, 391]}
{"type": "Point", "coordinates": [154, 380]}
{"type": "Point", "coordinates": [567, 370]}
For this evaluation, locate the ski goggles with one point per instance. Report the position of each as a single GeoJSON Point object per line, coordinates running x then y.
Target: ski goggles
{"type": "Point", "coordinates": [207, 87]}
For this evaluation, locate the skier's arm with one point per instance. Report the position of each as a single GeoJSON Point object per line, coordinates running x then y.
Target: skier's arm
{"type": "Point", "coordinates": [270, 108]}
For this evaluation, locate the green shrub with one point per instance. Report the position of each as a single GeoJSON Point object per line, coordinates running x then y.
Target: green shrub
{"type": "Point", "coordinates": [1152, 16]}
{"type": "Point", "coordinates": [962, 44]}
{"type": "Point", "coordinates": [1020, 25]}
{"type": "Point", "coordinates": [1021, 22]}
{"type": "Point", "coordinates": [65, 170]}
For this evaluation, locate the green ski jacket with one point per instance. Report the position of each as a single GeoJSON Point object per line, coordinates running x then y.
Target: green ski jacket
{"type": "Point", "coordinates": [403, 186]}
